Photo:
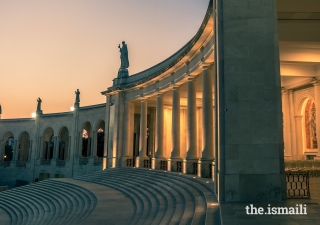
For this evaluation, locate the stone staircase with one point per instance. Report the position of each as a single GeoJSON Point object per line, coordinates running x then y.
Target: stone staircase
{"type": "Point", "coordinates": [161, 197]}
{"type": "Point", "coordinates": [46, 202]}
{"type": "Point", "coordinates": [113, 196]}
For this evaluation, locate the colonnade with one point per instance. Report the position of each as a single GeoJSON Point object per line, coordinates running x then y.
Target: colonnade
{"type": "Point", "coordinates": [206, 156]}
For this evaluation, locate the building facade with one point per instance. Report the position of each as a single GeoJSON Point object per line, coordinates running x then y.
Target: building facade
{"type": "Point", "coordinates": [166, 116]}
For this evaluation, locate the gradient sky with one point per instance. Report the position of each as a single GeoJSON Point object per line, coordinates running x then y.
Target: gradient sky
{"type": "Point", "coordinates": [49, 48]}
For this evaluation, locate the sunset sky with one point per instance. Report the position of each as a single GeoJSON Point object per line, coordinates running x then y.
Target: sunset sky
{"type": "Point", "coordinates": [48, 49]}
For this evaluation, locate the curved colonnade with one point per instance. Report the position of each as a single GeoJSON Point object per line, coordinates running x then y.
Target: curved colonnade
{"type": "Point", "coordinates": [151, 119]}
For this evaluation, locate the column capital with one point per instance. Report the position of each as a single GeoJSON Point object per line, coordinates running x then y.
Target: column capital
{"type": "Point", "coordinates": [315, 82]}
{"type": "Point", "coordinates": [283, 90]}
{"type": "Point", "coordinates": [143, 99]}
{"type": "Point", "coordinates": [175, 87]}
{"type": "Point", "coordinates": [206, 65]}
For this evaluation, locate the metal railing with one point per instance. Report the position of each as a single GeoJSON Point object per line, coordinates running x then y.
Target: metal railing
{"type": "Point", "coordinates": [83, 160]}
{"type": "Point", "coordinates": [97, 160]}
{"type": "Point", "coordinates": [163, 165]}
{"type": "Point", "coordinates": [21, 164]}
{"type": "Point", "coordinates": [179, 166]}
{"type": "Point", "coordinates": [147, 163]}
{"type": "Point", "coordinates": [61, 162]}
{"type": "Point", "coordinates": [195, 168]}
{"type": "Point", "coordinates": [6, 163]}
{"type": "Point", "coordinates": [297, 184]}
{"type": "Point", "coordinates": [45, 161]}
{"type": "Point", "coordinates": [130, 162]}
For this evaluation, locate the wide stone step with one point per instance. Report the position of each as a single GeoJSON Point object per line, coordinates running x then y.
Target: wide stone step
{"type": "Point", "coordinates": [143, 177]}
{"type": "Point", "coordinates": [47, 202]}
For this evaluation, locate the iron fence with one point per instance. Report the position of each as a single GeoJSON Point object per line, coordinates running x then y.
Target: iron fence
{"type": "Point", "coordinates": [45, 161]}
{"type": "Point", "coordinates": [195, 168]}
{"type": "Point", "coordinates": [179, 166]}
{"type": "Point", "coordinates": [97, 160]}
{"type": "Point", "coordinates": [297, 184]}
{"type": "Point", "coordinates": [130, 162]}
{"type": "Point", "coordinates": [83, 160]}
{"type": "Point", "coordinates": [21, 164]}
{"type": "Point", "coordinates": [147, 163]}
{"type": "Point", "coordinates": [164, 165]}
{"type": "Point", "coordinates": [60, 162]}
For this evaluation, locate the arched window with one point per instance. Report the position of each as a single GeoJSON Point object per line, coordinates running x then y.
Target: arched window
{"type": "Point", "coordinates": [310, 125]}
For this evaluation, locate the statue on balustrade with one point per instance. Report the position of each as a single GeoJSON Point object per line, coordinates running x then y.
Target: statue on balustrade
{"type": "Point", "coordinates": [124, 56]}
{"type": "Point", "coordinates": [39, 104]}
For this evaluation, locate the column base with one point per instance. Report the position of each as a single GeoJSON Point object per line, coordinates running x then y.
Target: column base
{"type": "Point", "coordinates": [206, 168]}
{"type": "Point", "coordinates": [190, 166]}
{"type": "Point", "coordinates": [111, 162]}
{"type": "Point", "coordinates": [90, 160]}
{"type": "Point", "coordinates": [176, 165]}
{"type": "Point", "coordinates": [13, 163]}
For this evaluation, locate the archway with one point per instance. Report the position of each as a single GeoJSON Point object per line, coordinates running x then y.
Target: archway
{"type": "Point", "coordinates": [86, 139]}
{"type": "Point", "coordinates": [63, 143]}
{"type": "Point", "coordinates": [48, 144]}
{"type": "Point", "coordinates": [24, 147]}
{"type": "Point", "coordinates": [100, 138]}
{"type": "Point", "coordinates": [309, 128]}
{"type": "Point", "coordinates": [7, 147]}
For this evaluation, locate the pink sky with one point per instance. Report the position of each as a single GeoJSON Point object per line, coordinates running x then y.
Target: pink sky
{"type": "Point", "coordinates": [48, 49]}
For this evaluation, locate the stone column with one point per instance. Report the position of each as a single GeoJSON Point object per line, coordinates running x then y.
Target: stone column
{"type": "Point", "coordinates": [95, 143]}
{"type": "Point", "coordinates": [55, 151]}
{"type": "Point", "coordinates": [49, 149]}
{"type": "Point", "coordinates": [316, 89]}
{"type": "Point", "coordinates": [175, 135]}
{"type": "Point", "coordinates": [40, 147]}
{"type": "Point", "coordinates": [30, 151]}
{"type": "Point", "coordinates": [15, 150]}
{"type": "Point", "coordinates": [89, 146]}
{"type": "Point", "coordinates": [80, 143]}
{"type": "Point", "coordinates": [160, 145]}
{"type": "Point", "coordinates": [106, 133]}
{"type": "Point", "coordinates": [192, 156]}
{"type": "Point", "coordinates": [15, 154]}
{"type": "Point", "coordinates": [67, 157]}
{"type": "Point", "coordinates": [127, 151]}
{"type": "Point", "coordinates": [207, 112]}
{"type": "Point", "coordinates": [1, 152]}
{"type": "Point", "coordinates": [293, 132]}
{"type": "Point", "coordinates": [286, 124]}
{"type": "Point", "coordinates": [143, 135]}
{"type": "Point", "coordinates": [93, 140]}
{"type": "Point", "coordinates": [298, 120]}
{"type": "Point", "coordinates": [152, 127]}
{"type": "Point", "coordinates": [192, 124]}
{"type": "Point", "coordinates": [248, 102]}
{"type": "Point", "coordinates": [56, 148]}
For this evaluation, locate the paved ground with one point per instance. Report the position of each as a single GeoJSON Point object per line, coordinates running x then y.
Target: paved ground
{"type": "Point", "coordinates": [112, 207]}
{"type": "Point", "coordinates": [235, 213]}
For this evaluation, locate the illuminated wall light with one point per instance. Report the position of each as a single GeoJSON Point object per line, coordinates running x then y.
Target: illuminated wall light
{"type": "Point", "coordinates": [33, 115]}
{"type": "Point", "coordinates": [72, 108]}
